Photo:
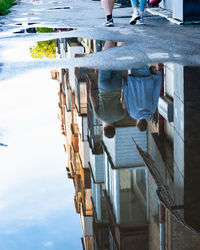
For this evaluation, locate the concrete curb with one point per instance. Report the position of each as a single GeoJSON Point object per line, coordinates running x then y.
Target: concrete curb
{"type": "Point", "coordinates": [164, 13]}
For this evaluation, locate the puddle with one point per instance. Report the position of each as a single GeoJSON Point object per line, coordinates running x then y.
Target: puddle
{"type": "Point", "coordinates": [30, 14]}
{"type": "Point", "coordinates": [60, 8]}
{"type": "Point", "coordinates": [25, 24]}
{"type": "Point", "coordinates": [25, 19]}
{"type": "Point", "coordinates": [21, 55]}
{"type": "Point", "coordinates": [98, 140]}
{"type": "Point", "coordinates": [86, 83]}
{"type": "Point", "coordinates": [132, 159]}
{"type": "Point", "coordinates": [41, 30]}
{"type": "Point", "coordinates": [27, 182]}
{"type": "Point", "coordinates": [87, 80]}
{"type": "Point", "coordinates": [37, 2]}
{"type": "Point", "coordinates": [72, 47]}
{"type": "Point", "coordinates": [126, 132]}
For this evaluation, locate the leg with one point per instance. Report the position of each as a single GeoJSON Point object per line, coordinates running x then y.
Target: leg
{"type": "Point", "coordinates": [108, 6]}
{"type": "Point", "coordinates": [142, 5]}
{"type": "Point", "coordinates": [108, 44]}
{"type": "Point", "coordinates": [134, 4]}
{"type": "Point", "coordinates": [135, 15]}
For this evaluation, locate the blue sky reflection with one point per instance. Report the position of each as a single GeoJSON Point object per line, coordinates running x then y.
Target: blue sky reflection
{"type": "Point", "coordinates": [36, 198]}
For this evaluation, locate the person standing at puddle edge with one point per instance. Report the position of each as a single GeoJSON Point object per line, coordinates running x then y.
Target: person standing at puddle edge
{"type": "Point", "coordinates": [137, 16]}
{"type": "Point", "coordinates": [108, 7]}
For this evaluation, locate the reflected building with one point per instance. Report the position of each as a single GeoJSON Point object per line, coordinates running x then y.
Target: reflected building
{"type": "Point", "coordinates": [140, 195]}
{"type": "Point", "coordinates": [186, 138]}
{"type": "Point", "coordinates": [118, 177]}
{"type": "Point", "coordinates": [73, 114]}
{"type": "Point", "coordinates": [173, 144]}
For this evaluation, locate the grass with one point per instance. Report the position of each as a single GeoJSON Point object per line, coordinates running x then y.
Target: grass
{"type": "Point", "coordinates": [5, 5]}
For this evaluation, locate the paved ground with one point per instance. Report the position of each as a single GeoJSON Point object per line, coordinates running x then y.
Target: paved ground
{"type": "Point", "coordinates": [157, 41]}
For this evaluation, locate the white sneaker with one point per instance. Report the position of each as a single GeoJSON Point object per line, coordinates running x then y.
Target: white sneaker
{"type": "Point", "coordinates": [135, 17]}
{"type": "Point", "coordinates": [140, 21]}
{"type": "Point", "coordinates": [109, 23]}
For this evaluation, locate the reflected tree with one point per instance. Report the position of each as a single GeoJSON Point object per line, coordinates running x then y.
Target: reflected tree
{"type": "Point", "coordinates": [44, 30]}
{"type": "Point", "coordinates": [44, 49]}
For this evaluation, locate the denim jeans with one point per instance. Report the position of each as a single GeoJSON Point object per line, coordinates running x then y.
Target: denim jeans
{"type": "Point", "coordinates": [109, 79]}
{"type": "Point", "coordinates": [142, 4]}
{"type": "Point", "coordinates": [143, 70]}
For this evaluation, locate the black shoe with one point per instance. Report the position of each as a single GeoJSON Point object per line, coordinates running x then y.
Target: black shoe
{"type": "Point", "coordinates": [109, 23]}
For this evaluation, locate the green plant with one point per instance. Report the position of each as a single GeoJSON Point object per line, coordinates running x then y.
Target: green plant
{"type": "Point", "coordinates": [5, 5]}
{"type": "Point", "coordinates": [44, 49]}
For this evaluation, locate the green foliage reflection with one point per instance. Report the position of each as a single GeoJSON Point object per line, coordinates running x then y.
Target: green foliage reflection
{"type": "Point", "coordinates": [44, 49]}
{"type": "Point", "coordinates": [44, 30]}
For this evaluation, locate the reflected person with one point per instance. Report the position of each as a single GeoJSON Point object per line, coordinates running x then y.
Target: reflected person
{"type": "Point", "coordinates": [141, 91]}
{"type": "Point", "coordinates": [107, 103]}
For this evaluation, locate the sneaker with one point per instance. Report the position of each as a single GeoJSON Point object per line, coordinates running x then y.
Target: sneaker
{"type": "Point", "coordinates": [109, 23]}
{"type": "Point", "coordinates": [141, 20]}
{"type": "Point", "coordinates": [135, 17]}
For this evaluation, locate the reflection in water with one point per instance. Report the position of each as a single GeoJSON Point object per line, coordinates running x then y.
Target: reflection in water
{"type": "Point", "coordinates": [36, 201]}
{"type": "Point", "coordinates": [35, 29]}
{"type": "Point", "coordinates": [141, 92]}
{"type": "Point", "coordinates": [132, 189]}
{"type": "Point", "coordinates": [60, 8]}
{"type": "Point", "coordinates": [44, 49]}
{"type": "Point", "coordinates": [128, 194]}
{"type": "Point", "coordinates": [107, 103]}
{"type": "Point", "coordinates": [108, 174]}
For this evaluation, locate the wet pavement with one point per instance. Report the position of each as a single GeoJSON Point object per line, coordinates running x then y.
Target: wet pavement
{"type": "Point", "coordinates": [99, 130]}
{"type": "Point", "coordinates": [157, 40]}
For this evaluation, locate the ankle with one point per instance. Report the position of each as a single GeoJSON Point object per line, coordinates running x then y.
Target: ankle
{"type": "Point", "coordinates": [108, 17]}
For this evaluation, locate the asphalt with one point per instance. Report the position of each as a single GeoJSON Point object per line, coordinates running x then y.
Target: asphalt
{"type": "Point", "coordinates": [159, 40]}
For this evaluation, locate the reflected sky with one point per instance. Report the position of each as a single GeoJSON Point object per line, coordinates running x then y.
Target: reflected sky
{"type": "Point", "coordinates": [36, 198]}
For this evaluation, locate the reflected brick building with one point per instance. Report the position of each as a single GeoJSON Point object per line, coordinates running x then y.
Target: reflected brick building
{"type": "Point", "coordinates": [116, 195]}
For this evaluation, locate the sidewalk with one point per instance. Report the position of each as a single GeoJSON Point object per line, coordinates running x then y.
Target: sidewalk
{"type": "Point", "coordinates": [159, 40]}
